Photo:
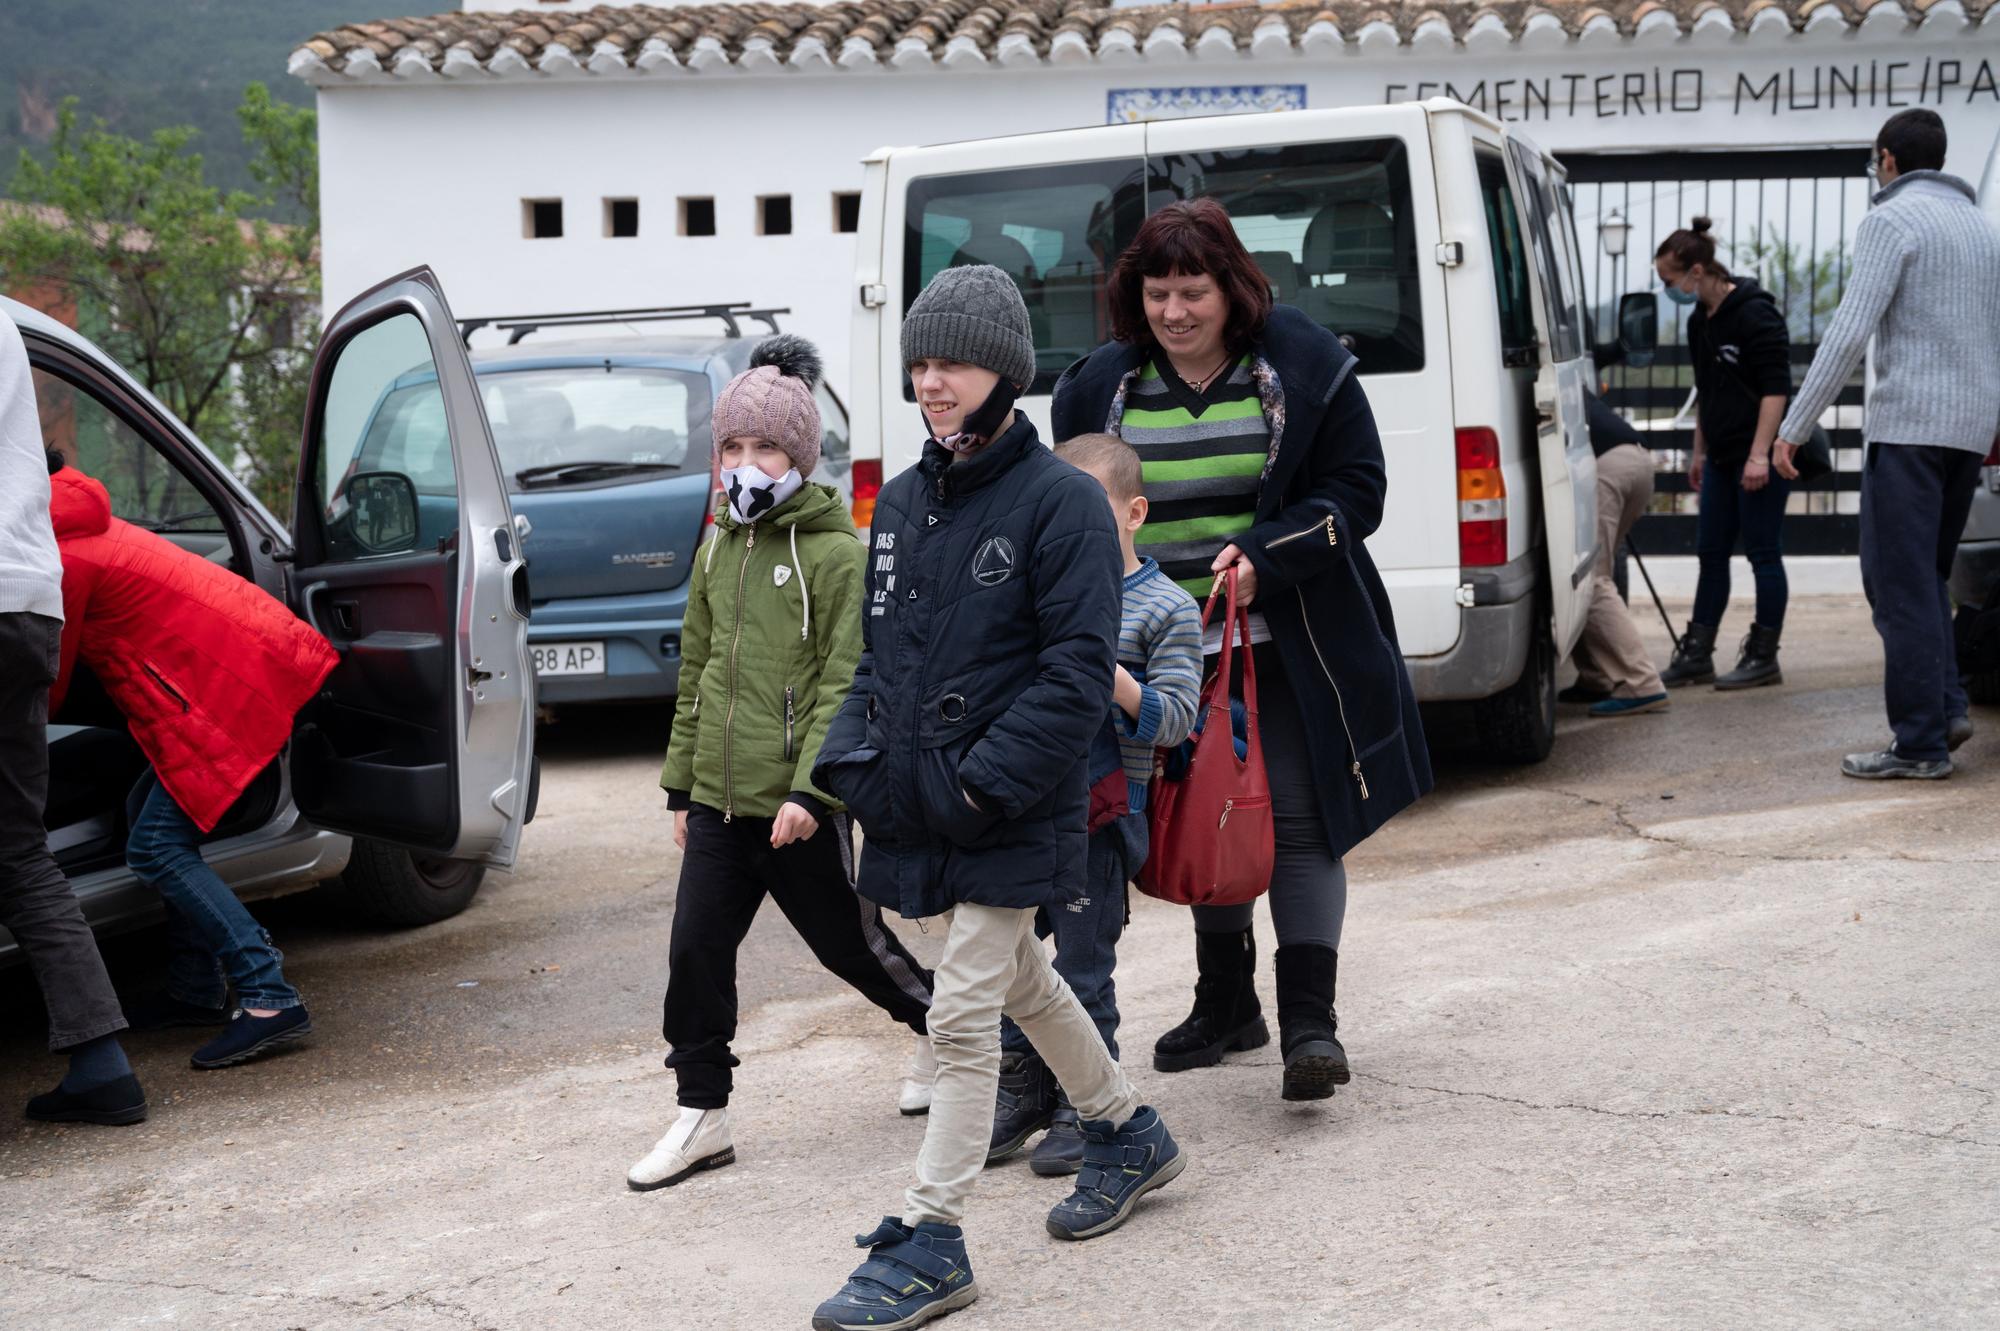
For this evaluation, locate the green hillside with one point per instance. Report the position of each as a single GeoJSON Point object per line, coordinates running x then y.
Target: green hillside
{"type": "Point", "coordinates": [141, 65]}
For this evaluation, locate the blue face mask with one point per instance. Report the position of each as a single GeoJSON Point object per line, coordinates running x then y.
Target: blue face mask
{"type": "Point", "coordinates": [1679, 297]}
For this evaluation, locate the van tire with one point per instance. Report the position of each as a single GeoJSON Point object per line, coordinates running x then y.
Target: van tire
{"type": "Point", "coordinates": [398, 887]}
{"type": "Point", "coordinates": [1518, 724]}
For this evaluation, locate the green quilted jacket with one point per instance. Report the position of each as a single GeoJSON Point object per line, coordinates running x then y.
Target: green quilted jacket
{"type": "Point", "coordinates": [768, 649]}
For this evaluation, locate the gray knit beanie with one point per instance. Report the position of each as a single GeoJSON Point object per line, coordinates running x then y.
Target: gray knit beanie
{"type": "Point", "coordinates": [972, 314]}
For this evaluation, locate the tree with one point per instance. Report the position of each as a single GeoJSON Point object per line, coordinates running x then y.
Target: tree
{"type": "Point", "coordinates": [213, 309]}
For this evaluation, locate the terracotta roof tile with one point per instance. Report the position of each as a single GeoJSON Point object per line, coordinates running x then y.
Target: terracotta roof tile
{"type": "Point", "coordinates": [607, 41]}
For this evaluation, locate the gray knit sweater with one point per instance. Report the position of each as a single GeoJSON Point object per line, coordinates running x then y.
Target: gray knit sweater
{"type": "Point", "coordinates": [1926, 287]}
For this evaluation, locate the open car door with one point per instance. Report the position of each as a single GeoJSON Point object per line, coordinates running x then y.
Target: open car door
{"type": "Point", "coordinates": [407, 561]}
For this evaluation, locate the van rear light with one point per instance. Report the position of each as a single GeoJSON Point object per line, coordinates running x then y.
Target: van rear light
{"type": "Point", "coordinates": [1482, 499]}
{"type": "Point", "coordinates": [1993, 454]}
{"type": "Point", "coordinates": [867, 478]}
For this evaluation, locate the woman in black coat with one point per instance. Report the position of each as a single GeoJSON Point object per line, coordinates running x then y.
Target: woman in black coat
{"type": "Point", "coordinates": [1260, 452]}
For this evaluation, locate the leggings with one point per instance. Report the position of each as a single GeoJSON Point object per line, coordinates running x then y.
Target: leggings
{"type": "Point", "coordinates": [1308, 882]}
{"type": "Point", "coordinates": [1728, 511]}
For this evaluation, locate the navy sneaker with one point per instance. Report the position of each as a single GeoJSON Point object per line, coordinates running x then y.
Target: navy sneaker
{"type": "Point", "coordinates": [251, 1037]}
{"type": "Point", "coordinates": [1653, 702]}
{"type": "Point", "coordinates": [1024, 1104]}
{"type": "Point", "coordinates": [1120, 1165]}
{"type": "Point", "coordinates": [911, 1276]}
{"type": "Point", "coordinates": [1060, 1151]}
{"type": "Point", "coordinates": [162, 1011]}
{"type": "Point", "coordinates": [116, 1103]}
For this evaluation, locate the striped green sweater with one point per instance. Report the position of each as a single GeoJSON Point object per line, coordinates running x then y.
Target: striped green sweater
{"type": "Point", "coordinates": [1201, 456]}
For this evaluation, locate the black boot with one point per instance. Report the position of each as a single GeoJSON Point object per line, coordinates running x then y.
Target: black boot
{"type": "Point", "coordinates": [1694, 659]}
{"type": "Point", "coordinates": [1758, 664]}
{"type": "Point", "coordinates": [1314, 1061]}
{"type": "Point", "coordinates": [1025, 1105]}
{"type": "Point", "coordinates": [1226, 1015]}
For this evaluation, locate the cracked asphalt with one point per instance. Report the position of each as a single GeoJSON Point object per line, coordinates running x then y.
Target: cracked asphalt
{"type": "Point", "coordinates": [1679, 1029]}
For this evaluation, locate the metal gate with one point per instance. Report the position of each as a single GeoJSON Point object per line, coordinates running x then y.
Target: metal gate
{"type": "Point", "coordinates": [1784, 218]}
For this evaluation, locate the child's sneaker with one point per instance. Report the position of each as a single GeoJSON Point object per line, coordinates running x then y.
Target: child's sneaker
{"type": "Point", "coordinates": [1060, 1151]}
{"type": "Point", "coordinates": [1120, 1165]}
{"type": "Point", "coordinates": [1024, 1104]}
{"type": "Point", "coordinates": [911, 1276]}
{"type": "Point", "coordinates": [698, 1140]}
{"type": "Point", "coordinates": [915, 1097]}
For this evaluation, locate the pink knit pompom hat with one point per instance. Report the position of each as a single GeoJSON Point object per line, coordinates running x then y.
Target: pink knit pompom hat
{"type": "Point", "coordinates": [773, 400]}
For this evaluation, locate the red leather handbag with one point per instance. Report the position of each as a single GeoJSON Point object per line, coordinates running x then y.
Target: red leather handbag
{"type": "Point", "coordinates": [1211, 828]}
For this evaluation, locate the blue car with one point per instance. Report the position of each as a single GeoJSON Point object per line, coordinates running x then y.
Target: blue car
{"type": "Point", "coordinates": [610, 463]}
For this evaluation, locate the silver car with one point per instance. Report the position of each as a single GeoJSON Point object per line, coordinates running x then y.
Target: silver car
{"type": "Point", "coordinates": [413, 769]}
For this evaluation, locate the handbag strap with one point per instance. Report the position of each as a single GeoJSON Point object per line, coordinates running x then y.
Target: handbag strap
{"type": "Point", "coordinates": [1236, 625]}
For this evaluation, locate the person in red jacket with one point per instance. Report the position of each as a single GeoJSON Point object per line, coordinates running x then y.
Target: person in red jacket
{"type": "Point", "coordinates": [208, 670]}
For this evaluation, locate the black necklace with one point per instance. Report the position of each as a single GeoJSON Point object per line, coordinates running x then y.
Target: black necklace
{"type": "Point", "coordinates": [1201, 385]}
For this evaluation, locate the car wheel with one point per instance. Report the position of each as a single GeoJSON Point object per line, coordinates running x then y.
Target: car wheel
{"type": "Point", "coordinates": [1518, 724]}
{"type": "Point", "coordinates": [391, 885]}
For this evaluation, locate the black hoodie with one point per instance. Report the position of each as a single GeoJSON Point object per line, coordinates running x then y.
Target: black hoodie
{"type": "Point", "coordinates": [1742, 354]}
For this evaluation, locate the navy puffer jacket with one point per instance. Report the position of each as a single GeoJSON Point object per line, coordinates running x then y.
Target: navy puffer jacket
{"type": "Point", "coordinates": [989, 639]}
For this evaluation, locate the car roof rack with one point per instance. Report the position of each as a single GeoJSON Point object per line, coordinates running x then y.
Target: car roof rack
{"type": "Point", "coordinates": [519, 326]}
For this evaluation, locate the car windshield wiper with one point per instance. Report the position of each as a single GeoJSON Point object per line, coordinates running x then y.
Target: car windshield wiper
{"type": "Point", "coordinates": [173, 521]}
{"type": "Point", "coordinates": [577, 471]}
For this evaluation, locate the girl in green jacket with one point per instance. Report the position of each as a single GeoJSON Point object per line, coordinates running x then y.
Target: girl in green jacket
{"type": "Point", "coordinates": [769, 645]}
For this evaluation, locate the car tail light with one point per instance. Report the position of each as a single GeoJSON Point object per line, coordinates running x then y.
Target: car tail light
{"type": "Point", "coordinates": [867, 484]}
{"type": "Point", "coordinates": [1482, 499]}
{"type": "Point", "coordinates": [1993, 454]}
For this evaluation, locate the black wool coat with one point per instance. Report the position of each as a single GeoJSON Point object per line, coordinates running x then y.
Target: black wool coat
{"type": "Point", "coordinates": [1320, 498]}
{"type": "Point", "coordinates": [989, 639]}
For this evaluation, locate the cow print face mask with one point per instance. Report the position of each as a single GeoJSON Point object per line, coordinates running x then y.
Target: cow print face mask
{"type": "Point", "coordinates": [752, 494]}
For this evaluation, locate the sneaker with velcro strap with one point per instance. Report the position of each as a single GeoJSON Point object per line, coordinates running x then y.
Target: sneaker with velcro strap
{"type": "Point", "coordinates": [913, 1274]}
{"type": "Point", "coordinates": [1120, 1165]}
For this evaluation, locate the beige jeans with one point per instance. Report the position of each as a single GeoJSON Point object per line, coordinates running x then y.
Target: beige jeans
{"type": "Point", "coordinates": [993, 963]}
{"type": "Point", "coordinates": [1609, 656]}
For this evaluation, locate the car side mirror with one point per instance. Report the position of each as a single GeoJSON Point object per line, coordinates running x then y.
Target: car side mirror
{"type": "Point", "coordinates": [382, 512]}
{"type": "Point", "coordinates": [1638, 328]}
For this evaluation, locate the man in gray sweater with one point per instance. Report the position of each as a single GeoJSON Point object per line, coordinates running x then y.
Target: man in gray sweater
{"type": "Point", "coordinates": [1926, 288]}
{"type": "Point", "coordinates": [36, 903]}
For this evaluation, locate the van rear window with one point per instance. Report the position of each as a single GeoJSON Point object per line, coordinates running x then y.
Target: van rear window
{"type": "Point", "coordinates": [1056, 230]}
{"type": "Point", "coordinates": [1332, 228]}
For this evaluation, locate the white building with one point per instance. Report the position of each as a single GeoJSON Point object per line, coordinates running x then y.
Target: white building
{"type": "Point", "coordinates": [451, 140]}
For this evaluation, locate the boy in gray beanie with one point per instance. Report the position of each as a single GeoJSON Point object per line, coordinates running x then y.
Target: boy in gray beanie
{"type": "Point", "coordinates": [989, 641]}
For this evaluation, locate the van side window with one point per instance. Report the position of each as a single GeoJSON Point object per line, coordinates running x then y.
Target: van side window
{"type": "Point", "coordinates": [1331, 226]}
{"type": "Point", "coordinates": [1554, 272]}
{"type": "Point", "coordinates": [1056, 230]}
{"type": "Point", "coordinates": [1510, 260]}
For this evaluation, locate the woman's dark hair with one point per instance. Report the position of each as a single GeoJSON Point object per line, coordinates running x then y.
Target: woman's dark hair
{"type": "Point", "coordinates": [1189, 239]}
{"type": "Point", "coordinates": [1692, 245]}
{"type": "Point", "coordinates": [1916, 138]}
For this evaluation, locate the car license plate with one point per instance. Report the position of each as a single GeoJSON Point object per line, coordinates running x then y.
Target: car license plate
{"type": "Point", "coordinates": [568, 658]}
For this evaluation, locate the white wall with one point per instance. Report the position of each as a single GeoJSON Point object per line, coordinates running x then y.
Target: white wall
{"type": "Point", "coordinates": [435, 173]}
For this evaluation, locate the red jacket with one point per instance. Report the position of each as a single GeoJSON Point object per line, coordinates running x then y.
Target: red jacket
{"type": "Point", "coordinates": [209, 669]}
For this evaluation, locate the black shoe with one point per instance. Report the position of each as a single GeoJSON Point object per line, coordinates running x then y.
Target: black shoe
{"type": "Point", "coordinates": [162, 1011]}
{"type": "Point", "coordinates": [1758, 663]}
{"type": "Point", "coordinates": [1578, 693]}
{"type": "Point", "coordinates": [1315, 1063]}
{"type": "Point", "coordinates": [1226, 1015]}
{"type": "Point", "coordinates": [1694, 659]}
{"type": "Point", "coordinates": [1958, 731]}
{"type": "Point", "coordinates": [1025, 1105]}
{"type": "Point", "coordinates": [251, 1037]}
{"type": "Point", "coordinates": [116, 1103]}
{"type": "Point", "coordinates": [1888, 765]}
{"type": "Point", "coordinates": [1060, 1151]}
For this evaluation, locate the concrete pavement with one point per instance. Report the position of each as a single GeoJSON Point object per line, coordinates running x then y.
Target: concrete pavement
{"type": "Point", "coordinates": [1679, 1028]}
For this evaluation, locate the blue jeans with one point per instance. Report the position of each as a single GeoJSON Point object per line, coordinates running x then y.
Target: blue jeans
{"type": "Point", "coordinates": [211, 933]}
{"type": "Point", "coordinates": [1087, 930]}
{"type": "Point", "coordinates": [1914, 502]}
{"type": "Point", "coordinates": [1728, 512]}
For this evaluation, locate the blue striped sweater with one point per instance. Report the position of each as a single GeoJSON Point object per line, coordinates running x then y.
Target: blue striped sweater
{"type": "Point", "coordinates": [1159, 642]}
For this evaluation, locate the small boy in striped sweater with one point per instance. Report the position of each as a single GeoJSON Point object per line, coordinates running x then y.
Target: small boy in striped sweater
{"type": "Point", "coordinates": [1153, 706]}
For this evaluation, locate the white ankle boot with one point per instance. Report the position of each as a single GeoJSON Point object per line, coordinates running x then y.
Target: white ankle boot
{"type": "Point", "coordinates": [915, 1097]}
{"type": "Point", "coordinates": [698, 1140]}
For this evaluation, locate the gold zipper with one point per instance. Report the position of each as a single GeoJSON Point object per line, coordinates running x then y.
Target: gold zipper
{"type": "Point", "coordinates": [788, 723]}
{"type": "Point", "coordinates": [1332, 537]}
{"type": "Point", "coordinates": [729, 712]}
{"type": "Point", "coordinates": [1352, 752]}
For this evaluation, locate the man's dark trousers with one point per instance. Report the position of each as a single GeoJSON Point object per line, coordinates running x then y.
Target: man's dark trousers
{"type": "Point", "coordinates": [1914, 502]}
{"type": "Point", "coordinates": [726, 871]}
{"type": "Point", "coordinates": [36, 903]}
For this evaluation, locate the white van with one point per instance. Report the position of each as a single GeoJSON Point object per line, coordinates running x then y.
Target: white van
{"type": "Point", "coordinates": [1435, 240]}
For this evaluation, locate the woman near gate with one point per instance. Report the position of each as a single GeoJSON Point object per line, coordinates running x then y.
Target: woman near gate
{"type": "Point", "coordinates": [1742, 355]}
{"type": "Point", "coordinates": [1259, 451]}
